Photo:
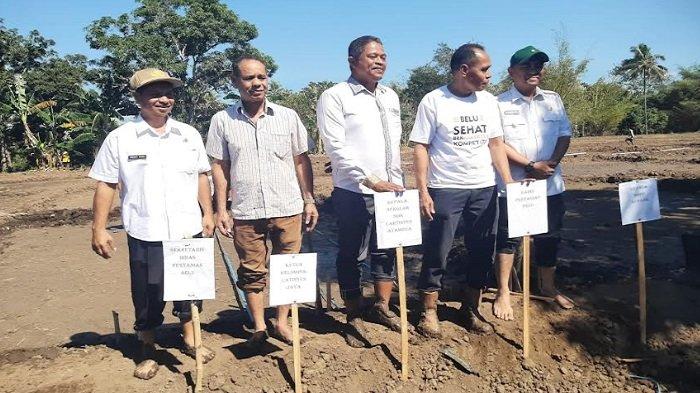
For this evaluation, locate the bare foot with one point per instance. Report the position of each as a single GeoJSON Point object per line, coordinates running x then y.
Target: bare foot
{"type": "Point", "coordinates": [501, 306]}
{"type": "Point", "coordinates": [283, 333]}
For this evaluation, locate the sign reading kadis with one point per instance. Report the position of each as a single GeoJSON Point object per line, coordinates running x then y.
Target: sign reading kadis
{"type": "Point", "coordinates": [292, 278]}
{"type": "Point", "coordinates": [639, 201]}
{"type": "Point", "coordinates": [188, 268]}
{"type": "Point", "coordinates": [527, 208]}
{"type": "Point", "coordinates": [398, 219]}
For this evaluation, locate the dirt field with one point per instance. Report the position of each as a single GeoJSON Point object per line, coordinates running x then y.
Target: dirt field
{"type": "Point", "coordinates": [57, 330]}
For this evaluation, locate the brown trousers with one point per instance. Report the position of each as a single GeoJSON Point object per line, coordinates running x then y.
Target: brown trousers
{"type": "Point", "coordinates": [250, 239]}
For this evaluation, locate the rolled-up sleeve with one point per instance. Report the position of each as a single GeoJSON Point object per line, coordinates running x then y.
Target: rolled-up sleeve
{"type": "Point", "coordinates": [106, 165]}
{"type": "Point", "coordinates": [331, 124]}
{"type": "Point", "coordinates": [217, 147]}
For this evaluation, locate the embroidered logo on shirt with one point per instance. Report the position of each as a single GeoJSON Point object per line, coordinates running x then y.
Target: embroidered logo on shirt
{"type": "Point", "coordinates": [136, 157]}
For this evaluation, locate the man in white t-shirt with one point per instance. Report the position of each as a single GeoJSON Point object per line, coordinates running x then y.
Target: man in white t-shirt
{"type": "Point", "coordinates": [458, 142]}
{"type": "Point", "coordinates": [537, 135]}
{"type": "Point", "coordinates": [161, 166]}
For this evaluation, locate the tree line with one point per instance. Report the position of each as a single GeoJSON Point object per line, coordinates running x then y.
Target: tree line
{"type": "Point", "coordinates": [56, 110]}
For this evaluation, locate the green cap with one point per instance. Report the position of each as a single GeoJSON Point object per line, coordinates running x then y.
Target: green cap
{"type": "Point", "coordinates": [527, 53]}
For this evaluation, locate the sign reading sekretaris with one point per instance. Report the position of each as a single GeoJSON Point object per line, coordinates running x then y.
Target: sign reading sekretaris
{"type": "Point", "coordinates": [188, 268]}
{"type": "Point", "coordinates": [292, 278]}
{"type": "Point", "coordinates": [639, 201]}
{"type": "Point", "coordinates": [398, 219]}
{"type": "Point", "coordinates": [527, 208]}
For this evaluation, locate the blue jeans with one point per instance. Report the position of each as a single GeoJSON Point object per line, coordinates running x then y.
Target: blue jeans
{"type": "Point", "coordinates": [357, 240]}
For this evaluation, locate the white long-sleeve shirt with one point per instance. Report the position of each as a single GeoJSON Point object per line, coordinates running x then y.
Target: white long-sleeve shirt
{"type": "Point", "coordinates": [361, 133]}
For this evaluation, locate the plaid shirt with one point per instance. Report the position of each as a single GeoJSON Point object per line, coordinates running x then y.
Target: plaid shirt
{"type": "Point", "coordinates": [263, 178]}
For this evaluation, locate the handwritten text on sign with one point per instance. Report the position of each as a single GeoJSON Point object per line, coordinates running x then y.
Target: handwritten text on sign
{"type": "Point", "coordinates": [292, 279]}
{"type": "Point", "coordinates": [188, 269]}
{"type": "Point", "coordinates": [527, 208]}
{"type": "Point", "coordinates": [398, 219]}
{"type": "Point", "coordinates": [639, 201]}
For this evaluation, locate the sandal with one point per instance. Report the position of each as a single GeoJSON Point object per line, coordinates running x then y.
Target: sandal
{"type": "Point", "coordinates": [207, 354]}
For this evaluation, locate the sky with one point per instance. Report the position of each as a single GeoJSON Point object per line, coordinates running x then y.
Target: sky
{"type": "Point", "coordinates": [309, 39]}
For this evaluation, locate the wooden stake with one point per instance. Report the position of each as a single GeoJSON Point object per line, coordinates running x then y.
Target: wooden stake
{"type": "Point", "coordinates": [297, 349]}
{"type": "Point", "coordinates": [197, 346]}
{"type": "Point", "coordinates": [117, 329]}
{"type": "Point", "coordinates": [642, 284]}
{"type": "Point", "coordinates": [329, 297]}
{"type": "Point", "coordinates": [526, 296]}
{"type": "Point", "coordinates": [404, 318]}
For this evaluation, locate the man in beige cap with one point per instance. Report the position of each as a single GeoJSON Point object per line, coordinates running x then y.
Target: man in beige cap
{"type": "Point", "coordinates": [162, 168]}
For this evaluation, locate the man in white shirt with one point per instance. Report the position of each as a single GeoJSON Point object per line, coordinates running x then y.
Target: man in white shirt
{"type": "Point", "coordinates": [161, 167]}
{"type": "Point", "coordinates": [458, 142]}
{"type": "Point", "coordinates": [360, 123]}
{"type": "Point", "coordinates": [537, 135]}
{"type": "Point", "coordinates": [260, 154]}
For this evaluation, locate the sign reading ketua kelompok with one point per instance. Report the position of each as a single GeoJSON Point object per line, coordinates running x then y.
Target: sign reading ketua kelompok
{"type": "Point", "coordinates": [292, 278]}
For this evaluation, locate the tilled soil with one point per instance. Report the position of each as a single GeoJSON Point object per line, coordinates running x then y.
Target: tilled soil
{"type": "Point", "coordinates": [58, 333]}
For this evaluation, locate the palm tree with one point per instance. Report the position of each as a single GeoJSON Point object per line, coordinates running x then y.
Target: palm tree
{"type": "Point", "coordinates": [643, 65]}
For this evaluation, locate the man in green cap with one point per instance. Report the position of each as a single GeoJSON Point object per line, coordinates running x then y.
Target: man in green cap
{"type": "Point", "coordinates": [537, 133]}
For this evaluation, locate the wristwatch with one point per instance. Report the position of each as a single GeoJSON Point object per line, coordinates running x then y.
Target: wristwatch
{"type": "Point", "coordinates": [530, 166]}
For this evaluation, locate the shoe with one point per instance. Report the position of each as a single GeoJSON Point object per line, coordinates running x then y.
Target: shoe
{"type": "Point", "coordinates": [356, 332]}
{"type": "Point", "coordinates": [147, 367]}
{"type": "Point", "coordinates": [470, 319]}
{"type": "Point", "coordinates": [381, 314]}
{"type": "Point", "coordinates": [429, 324]}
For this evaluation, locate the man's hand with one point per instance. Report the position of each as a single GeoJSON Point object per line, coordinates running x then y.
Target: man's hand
{"type": "Point", "coordinates": [385, 186]}
{"type": "Point", "coordinates": [541, 170]}
{"type": "Point", "coordinates": [310, 216]}
{"type": "Point", "coordinates": [208, 225]}
{"type": "Point", "coordinates": [427, 208]}
{"type": "Point", "coordinates": [224, 223]}
{"type": "Point", "coordinates": [103, 243]}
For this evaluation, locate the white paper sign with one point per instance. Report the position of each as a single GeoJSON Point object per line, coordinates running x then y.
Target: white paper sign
{"type": "Point", "coordinates": [292, 278]}
{"type": "Point", "coordinates": [188, 269]}
{"type": "Point", "coordinates": [398, 219]}
{"type": "Point", "coordinates": [639, 201]}
{"type": "Point", "coordinates": [527, 208]}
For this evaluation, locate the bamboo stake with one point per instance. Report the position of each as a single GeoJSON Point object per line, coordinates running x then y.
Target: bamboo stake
{"type": "Point", "coordinates": [297, 349]}
{"type": "Point", "coordinates": [642, 284]}
{"type": "Point", "coordinates": [526, 296]}
{"type": "Point", "coordinates": [404, 318]}
{"type": "Point", "coordinates": [197, 346]}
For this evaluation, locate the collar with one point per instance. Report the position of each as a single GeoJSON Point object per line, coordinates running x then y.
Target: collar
{"type": "Point", "coordinates": [142, 128]}
{"type": "Point", "coordinates": [268, 111]}
{"type": "Point", "coordinates": [358, 87]}
{"type": "Point", "coordinates": [516, 95]}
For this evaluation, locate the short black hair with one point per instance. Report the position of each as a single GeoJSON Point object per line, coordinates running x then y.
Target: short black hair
{"type": "Point", "coordinates": [358, 45]}
{"type": "Point", "coordinates": [465, 54]}
{"type": "Point", "coordinates": [236, 71]}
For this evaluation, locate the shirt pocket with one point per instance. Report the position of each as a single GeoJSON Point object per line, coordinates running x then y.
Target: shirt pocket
{"type": "Point", "coordinates": [281, 144]}
{"type": "Point", "coordinates": [550, 124]}
{"type": "Point", "coordinates": [514, 128]}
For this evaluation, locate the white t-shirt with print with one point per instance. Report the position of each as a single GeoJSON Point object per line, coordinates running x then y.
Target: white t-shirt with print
{"type": "Point", "coordinates": [457, 130]}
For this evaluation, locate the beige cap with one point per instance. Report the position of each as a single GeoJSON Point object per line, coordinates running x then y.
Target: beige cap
{"type": "Point", "coordinates": [147, 76]}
